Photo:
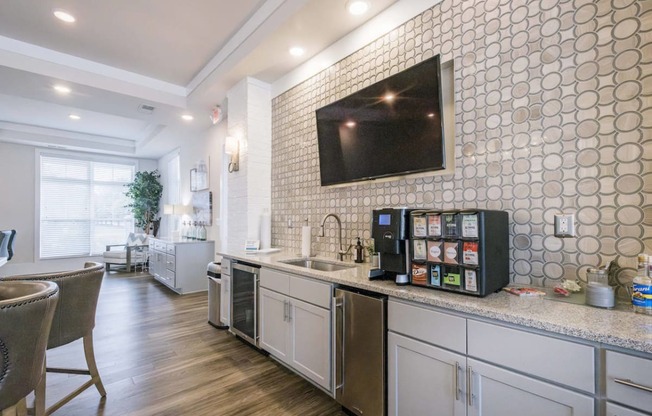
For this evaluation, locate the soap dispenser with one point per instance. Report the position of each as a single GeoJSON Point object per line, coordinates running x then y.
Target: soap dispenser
{"type": "Point", "coordinates": [358, 257]}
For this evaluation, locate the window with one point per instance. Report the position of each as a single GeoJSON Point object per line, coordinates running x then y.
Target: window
{"type": "Point", "coordinates": [82, 205]}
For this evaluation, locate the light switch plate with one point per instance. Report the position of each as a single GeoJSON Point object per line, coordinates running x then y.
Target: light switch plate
{"type": "Point", "coordinates": [564, 225]}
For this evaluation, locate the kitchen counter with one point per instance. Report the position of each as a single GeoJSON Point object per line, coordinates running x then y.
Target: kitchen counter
{"type": "Point", "coordinates": [624, 329]}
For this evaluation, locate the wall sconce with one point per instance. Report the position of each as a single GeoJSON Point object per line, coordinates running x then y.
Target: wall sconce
{"type": "Point", "coordinates": [232, 147]}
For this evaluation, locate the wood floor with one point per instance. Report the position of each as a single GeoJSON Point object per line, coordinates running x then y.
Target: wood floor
{"type": "Point", "coordinates": [157, 355]}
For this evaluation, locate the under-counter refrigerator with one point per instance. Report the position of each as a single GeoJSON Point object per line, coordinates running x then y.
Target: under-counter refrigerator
{"type": "Point", "coordinates": [360, 351]}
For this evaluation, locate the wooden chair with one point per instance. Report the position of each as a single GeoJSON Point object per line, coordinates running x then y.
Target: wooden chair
{"type": "Point", "coordinates": [26, 312]}
{"type": "Point", "coordinates": [74, 318]}
{"type": "Point", "coordinates": [131, 254]}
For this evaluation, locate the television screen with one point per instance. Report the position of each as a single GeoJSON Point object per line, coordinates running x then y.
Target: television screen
{"type": "Point", "coordinates": [393, 127]}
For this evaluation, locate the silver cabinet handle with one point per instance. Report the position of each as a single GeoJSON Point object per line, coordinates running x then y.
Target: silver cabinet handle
{"type": "Point", "coordinates": [630, 383]}
{"type": "Point", "coordinates": [285, 310]}
{"type": "Point", "coordinates": [339, 335]}
{"type": "Point", "coordinates": [456, 379]}
{"type": "Point", "coordinates": [469, 386]}
{"type": "Point", "coordinates": [289, 311]}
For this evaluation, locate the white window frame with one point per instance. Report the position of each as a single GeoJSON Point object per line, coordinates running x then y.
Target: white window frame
{"type": "Point", "coordinates": [92, 157]}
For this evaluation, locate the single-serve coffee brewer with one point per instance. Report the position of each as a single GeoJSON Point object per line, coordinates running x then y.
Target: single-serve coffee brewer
{"type": "Point", "coordinates": [390, 230]}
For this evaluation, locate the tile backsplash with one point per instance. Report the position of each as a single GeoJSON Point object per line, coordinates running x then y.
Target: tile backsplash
{"type": "Point", "coordinates": [553, 112]}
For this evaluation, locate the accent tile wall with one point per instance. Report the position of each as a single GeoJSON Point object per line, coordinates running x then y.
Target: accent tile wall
{"type": "Point", "coordinates": [553, 112]}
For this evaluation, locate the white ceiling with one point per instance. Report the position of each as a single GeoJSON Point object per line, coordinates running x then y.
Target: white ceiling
{"type": "Point", "coordinates": [176, 56]}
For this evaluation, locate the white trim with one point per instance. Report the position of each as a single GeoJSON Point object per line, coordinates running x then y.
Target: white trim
{"type": "Point", "coordinates": [388, 19]}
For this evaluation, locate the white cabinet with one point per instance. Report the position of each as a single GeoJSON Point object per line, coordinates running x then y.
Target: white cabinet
{"type": "Point", "coordinates": [499, 392]}
{"type": "Point", "coordinates": [616, 410]}
{"type": "Point", "coordinates": [295, 323]}
{"type": "Point", "coordinates": [310, 341]}
{"type": "Point", "coordinates": [432, 371]}
{"type": "Point", "coordinates": [629, 380]}
{"type": "Point", "coordinates": [181, 265]}
{"type": "Point", "coordinates": [274, 327]}
{"type": "Point", "coordinates": [424, 379]}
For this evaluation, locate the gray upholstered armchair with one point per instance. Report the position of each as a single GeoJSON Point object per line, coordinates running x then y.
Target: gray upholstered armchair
{"type": "Point", "coordinates": [74, 318]}
{"type": "Point", "coordinates": [133, 253]}
{"type": "Point", "coordinates": [26, 311]}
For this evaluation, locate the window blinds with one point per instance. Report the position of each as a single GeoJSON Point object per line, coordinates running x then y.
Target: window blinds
{"type": "Point", "coordinates": [82, 206]}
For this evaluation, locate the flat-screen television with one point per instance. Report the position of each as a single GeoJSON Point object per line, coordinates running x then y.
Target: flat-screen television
{"type": "Point", "coordinates": [393, 127]}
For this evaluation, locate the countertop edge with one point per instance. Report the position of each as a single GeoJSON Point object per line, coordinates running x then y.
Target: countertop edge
{"type": "Point", "coordinates": [578, 321]}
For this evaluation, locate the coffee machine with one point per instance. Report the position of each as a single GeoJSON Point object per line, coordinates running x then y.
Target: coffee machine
{"type": "Point", "coordinates": [390, 229]}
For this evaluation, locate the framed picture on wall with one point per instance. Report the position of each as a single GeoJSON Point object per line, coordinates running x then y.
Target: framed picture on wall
{"type": "Point", "coordinates": [202, 203]}
{"type": "Point", "coordinates": [199, 177]}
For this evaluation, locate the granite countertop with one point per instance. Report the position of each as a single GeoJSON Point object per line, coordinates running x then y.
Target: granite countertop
{"type": "Point", "coordinates": [620, 328]}
{"type": "Point", "coordinates": [180, 240]}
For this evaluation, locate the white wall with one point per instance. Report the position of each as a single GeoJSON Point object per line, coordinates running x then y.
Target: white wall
{"type": "Point", "coordinates": [208, 147]}
{"type": "Point", "coordinates": [18, 186]}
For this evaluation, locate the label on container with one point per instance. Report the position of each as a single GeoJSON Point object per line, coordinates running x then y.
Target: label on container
{"type": "Point", "coordinates": [450, 253]}
{"type": "Point", "coordinates": [452, 278]}
{"type": "Point", "coordinates": [434, 250]}
{"type": "Point", "coordinates": [419, 274]}
{"type": "Point", "coordinates": [435, 274]}
{"type": "Point", "coordinates": [434, 225]}
{"type": "Point", "coordinates": [470, 280]}
{"type": "Point", "coordinates": [419, 228]}
{"type": "Point", "coordinates": [470, 252]}
{"type": "Point", "coordinates": [642, 295]}
{"type": "Point", "coordinates": [470, 226]}
{"type": "Point", "coordinates": [420, 250]}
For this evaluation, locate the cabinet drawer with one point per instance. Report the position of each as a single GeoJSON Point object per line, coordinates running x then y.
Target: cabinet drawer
{"type": "Point", "coordinates": [554, 359]}
{"type": "Point", "coordinates": [170, 276]}
{"type": "Point", "coordinates": [615, 410]}
{"type": "Point", "coordinates": [159, 245]}
{"type": "Point", "coordinates": [433, 327]}
{"type": "Point", "coordinates": [311, 291]}
{"type": "Point", "coordinates": [170, 262]}
{"type": "Point", "coordinates": [170, 249]}
{"type": "Point", "coordinates": [275, 280]}
{"type": "Point", "coordinates": [629, 369]}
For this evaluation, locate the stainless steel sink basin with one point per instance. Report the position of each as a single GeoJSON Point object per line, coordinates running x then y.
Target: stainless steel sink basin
{"type": "Point", "coordinates": [321, 265]}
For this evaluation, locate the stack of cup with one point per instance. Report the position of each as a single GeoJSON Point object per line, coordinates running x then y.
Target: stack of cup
{"type": "Point", "coordinates": [598, 291]}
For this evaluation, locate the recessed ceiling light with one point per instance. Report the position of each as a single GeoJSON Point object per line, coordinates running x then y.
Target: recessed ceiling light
{"type": "Point", "coordinates": [296, 51]}
{"type": "Point", "coordinates": [350, 124]}
{"type": "Point", "coordinates": [74, 117]}
{"type": "Point", "coordinates": [389, 97]}
{"type": "Point", "coordinates": [357, 7]}
{"type": "Point", "coordinates": [187, 117]}
{"type": "Point", "coordinates": [62, 89]}
{"type": "Point", "coordinates": [431, 115]}
{"type": "Point", "coordinates": [64, 15]}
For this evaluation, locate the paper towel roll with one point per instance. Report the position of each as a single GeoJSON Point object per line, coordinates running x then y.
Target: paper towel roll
{"type": "Point", "coordinates": [305, 241]}
{"type": "Point", "coordinates": [265, 230]}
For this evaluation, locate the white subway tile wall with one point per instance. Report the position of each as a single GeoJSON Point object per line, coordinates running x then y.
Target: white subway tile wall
{"type": "Point", "coordinates": [553, 112]}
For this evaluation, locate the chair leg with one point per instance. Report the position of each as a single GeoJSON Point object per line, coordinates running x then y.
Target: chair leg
{"type": "Point", "coordinates": [92, 366]}
{"type": "Point", "coordinates": [39, 395]}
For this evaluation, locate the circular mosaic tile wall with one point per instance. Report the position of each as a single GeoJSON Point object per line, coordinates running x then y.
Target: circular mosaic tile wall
{"type": "Point", "coordinates": [553, 112]}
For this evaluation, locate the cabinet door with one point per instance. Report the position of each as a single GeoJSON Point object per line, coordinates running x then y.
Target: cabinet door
{"type": "Point", "coordinates": [498, 392]}
{"type": "Point", "coordinates": [423, 379]}
{"type": "Point", "coordinates": [274, 329]}
{"type": "Point", "coordinates": [310, 334]}
{"type": "Point", "coordinates": [616, 410]}
{"type": "Point", "coordinates": [225, 300]}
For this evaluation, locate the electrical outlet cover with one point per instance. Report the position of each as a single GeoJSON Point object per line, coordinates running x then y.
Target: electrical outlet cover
{"type": "Point", "coordinates": [564, 225]}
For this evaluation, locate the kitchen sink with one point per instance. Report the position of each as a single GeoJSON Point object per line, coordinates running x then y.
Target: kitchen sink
{"type": "Point", "coordinates": [321, 265]}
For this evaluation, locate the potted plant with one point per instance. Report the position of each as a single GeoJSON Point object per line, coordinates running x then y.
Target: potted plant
{"type": "Point", "coordinates": [145, 194]}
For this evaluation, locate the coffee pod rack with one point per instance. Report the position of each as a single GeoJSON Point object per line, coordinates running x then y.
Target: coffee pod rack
{"type": "Point", "coordinates": [464, 251]}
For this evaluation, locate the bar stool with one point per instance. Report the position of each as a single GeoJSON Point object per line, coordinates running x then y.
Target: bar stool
{"type": "Point", "coordinates": [74, 318]}
{"type": "Point", "coordinates": [26, 312]}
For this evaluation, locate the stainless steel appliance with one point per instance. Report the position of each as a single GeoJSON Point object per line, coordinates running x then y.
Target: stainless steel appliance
{"type": "Point", "coordinates": [244, 301]}
{"type": "Point", "coordinates": [390, 230]}
{"type": "Point", "coordinates": [360, 350]}
{"type": "Point", "coordinates": [214, 295]}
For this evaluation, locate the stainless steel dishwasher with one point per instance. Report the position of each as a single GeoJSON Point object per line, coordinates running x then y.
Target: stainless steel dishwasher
{"type": "Point", "coordinates": [360, 351]}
